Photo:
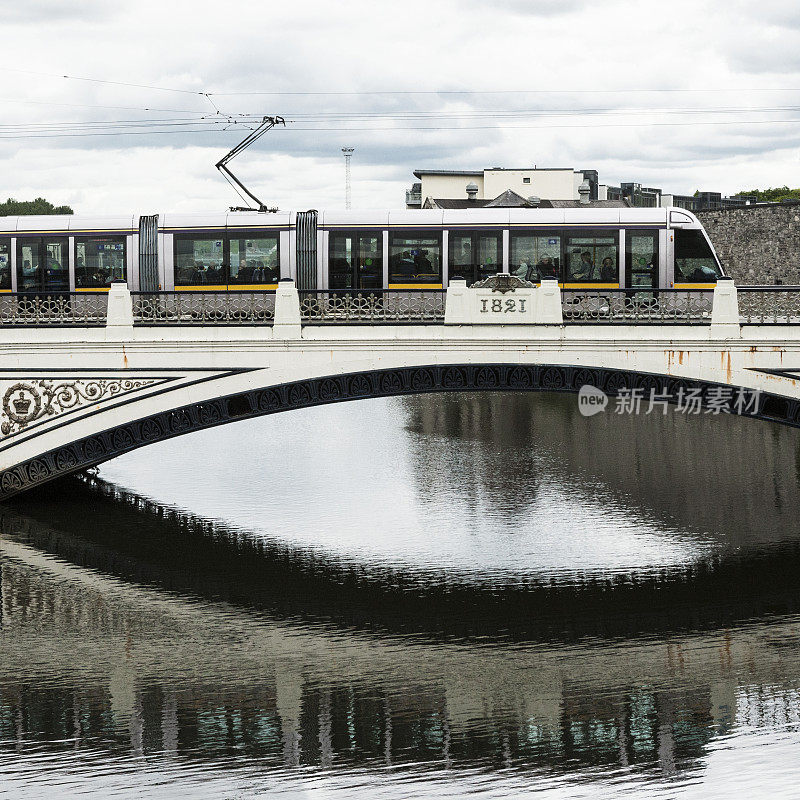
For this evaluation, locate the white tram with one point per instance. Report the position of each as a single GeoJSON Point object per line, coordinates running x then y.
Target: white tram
{"type": "Point", "coordinates": [603, 248]}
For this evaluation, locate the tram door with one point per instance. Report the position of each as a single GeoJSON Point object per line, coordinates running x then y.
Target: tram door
{"type": "Point", "coordinates": [475, 255]}
{"type": "Point", "coordinates": [355, 260]}
{"type": "Point", "coordinates": [43, 264]}
{"type": "Point", "coordinates": [641, 259]}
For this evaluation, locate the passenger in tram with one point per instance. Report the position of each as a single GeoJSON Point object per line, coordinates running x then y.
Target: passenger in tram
{"type": "Point", "coordinates": [586, 270]}
{"type": "Point", "coordinates": [545, 268]}
{"type": "Point", "coordinates": [523, 270]}
{"type": "Point", "coordinates": [608, 272]}
{"type": "Point", "coordinates": [404, 264]}
{"type": "Point", "coordinates": [422, 263]}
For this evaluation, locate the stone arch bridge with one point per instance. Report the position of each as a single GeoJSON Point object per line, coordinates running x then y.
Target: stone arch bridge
{"type": "Point", "coordinates": [87, 377]}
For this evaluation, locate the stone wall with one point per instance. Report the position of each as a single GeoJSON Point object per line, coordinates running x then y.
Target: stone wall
{"type": "Point", "coordinates": [757, 244]}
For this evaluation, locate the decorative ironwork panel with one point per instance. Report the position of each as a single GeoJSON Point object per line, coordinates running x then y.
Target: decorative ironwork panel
{"type": "Point", "coordinates": [28, 309]}
{"type": "Point", "coordinates": [203, 308]}
{"type": "Point", "coordinates": [27, 403]}
{"type": "Point", "coordinates": [389, 306]}
{"type": "Point", "coordinates": [769, 305]}
{"type": "Point", "coordinates": [636, 306]}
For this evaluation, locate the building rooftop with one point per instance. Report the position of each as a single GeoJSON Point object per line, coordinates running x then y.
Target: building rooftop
{"type": "Point", "coordinates": [420, 172]}
{"type": "Point", "coordinates": [592, 204]}
{"type": "Point", "coordinates": [510, 199]}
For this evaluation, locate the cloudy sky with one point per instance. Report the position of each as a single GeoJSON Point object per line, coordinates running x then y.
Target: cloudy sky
{"type": "Point", "coordinates": [683, 95]}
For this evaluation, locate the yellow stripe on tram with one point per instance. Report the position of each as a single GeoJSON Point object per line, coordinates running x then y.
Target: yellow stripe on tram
{"type": "Point", "coordinates": [589, 285]}
{"type": "Point", "coordinates": [233, 287]}
{"type": "Point", "coordinates": [694, 285]}
{"type": "Point", "coordinates": [205, 288]}
{"type": "Point", "coordinates": [91, 288]}
{"type": "Point", "coordinates": [413, 286]}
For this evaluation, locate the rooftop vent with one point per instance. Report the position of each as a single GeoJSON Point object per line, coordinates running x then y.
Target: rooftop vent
{"type": "Point", "coordinates": [583, 193]}
{"type": "Point", "coordinates": [472, 191]}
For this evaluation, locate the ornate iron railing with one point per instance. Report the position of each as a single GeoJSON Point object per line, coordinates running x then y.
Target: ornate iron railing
{"type": "Point", "coordinates": [776, 305]}
{"type": "Point", "coordinates": [637, 306]}
{"type": "Point", "coordinates": [234, 307]}
{"type": "Point", "coordinates": [389, 306]}
{"type": "Point", "coordinates": [40, 309]}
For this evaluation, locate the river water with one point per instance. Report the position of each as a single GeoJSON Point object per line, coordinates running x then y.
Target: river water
{"type": "Point", "coordinates": [438, 596]}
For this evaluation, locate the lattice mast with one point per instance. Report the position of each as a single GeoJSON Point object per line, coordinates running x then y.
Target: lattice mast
{"type": "Point", "coordinates": [348, 152]}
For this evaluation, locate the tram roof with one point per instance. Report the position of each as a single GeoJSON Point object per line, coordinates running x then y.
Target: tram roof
{"type": "Point", "coordinates": [408, 218]}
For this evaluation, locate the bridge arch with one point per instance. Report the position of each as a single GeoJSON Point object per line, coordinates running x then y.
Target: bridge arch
{"type": "Point", "coordinates": [89, 451]}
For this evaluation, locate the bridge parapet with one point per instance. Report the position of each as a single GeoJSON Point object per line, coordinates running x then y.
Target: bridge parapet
{"type": "Point", "coordinates": [499, 300]}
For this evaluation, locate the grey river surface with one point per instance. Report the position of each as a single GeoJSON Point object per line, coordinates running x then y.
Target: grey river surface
{"type": "Point", "coordinates": [438, 596]}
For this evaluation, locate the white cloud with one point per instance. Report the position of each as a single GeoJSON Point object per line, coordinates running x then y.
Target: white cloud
{"type": "Point", "coordinates": [565, 57]}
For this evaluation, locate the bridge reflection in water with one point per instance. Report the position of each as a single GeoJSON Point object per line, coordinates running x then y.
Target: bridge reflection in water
{"type": "Point", "coordinates": [129, 627]}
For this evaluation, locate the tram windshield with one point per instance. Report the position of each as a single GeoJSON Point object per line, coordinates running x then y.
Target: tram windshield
{"type": "Point", "coordinates": [694, 260]}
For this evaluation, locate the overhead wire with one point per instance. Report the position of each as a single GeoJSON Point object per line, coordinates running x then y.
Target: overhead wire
{"type": "Point", "coordinates": [193, 122]}
{"type": "Point", "coordinates": [203, 92]}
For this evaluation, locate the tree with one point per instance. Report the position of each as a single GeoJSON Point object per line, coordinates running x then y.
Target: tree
{"type": "Point", "coordinates": [19, 208]}
{"type": "Point", "coordinates": [771, 195]}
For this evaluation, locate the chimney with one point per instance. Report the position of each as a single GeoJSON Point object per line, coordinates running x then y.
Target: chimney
{"type": "Point", "coordinates": [583, 193]}
{"type": "Point", "coordinates": [534, 202]}
{"type": "Point", "coordinates": [472, 190]}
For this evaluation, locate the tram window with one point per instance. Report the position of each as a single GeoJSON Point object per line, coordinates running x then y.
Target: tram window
{"type": "Point", "coordinates": [355, 260]}
{"type": "Point", "coordinates": [694, 260]}
{"type": "Point", "coordinates": [199, 261]}
{"type": "Point", "coordinates": [254, 260]}
{"type": "Point", "coordinates": [5, 264]}
{"type": "Point", "coordinates": [591, 258]}
{"type": "Point", "coordinates": [535, 256]}
{"type": "Point", "coordinates": [28, 266]}
{"type": "Point", "coordinates": [641, 254]}
{"type": "Point", "coordinates": [370, 261]}
{"type": "Point", "coordinates": [415, 258]}
{"type": "Point", "coordinates": [340, 261]}
{"type": "Point", "coordinates": [475, 255]}
{"type": "Point", "coordinates": [99, 261]}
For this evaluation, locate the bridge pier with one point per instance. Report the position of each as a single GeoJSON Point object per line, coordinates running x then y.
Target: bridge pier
{"type": "Point", "coordinates": [287, 322]}
{"type": "Point", "coordinates": [120, 309]}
